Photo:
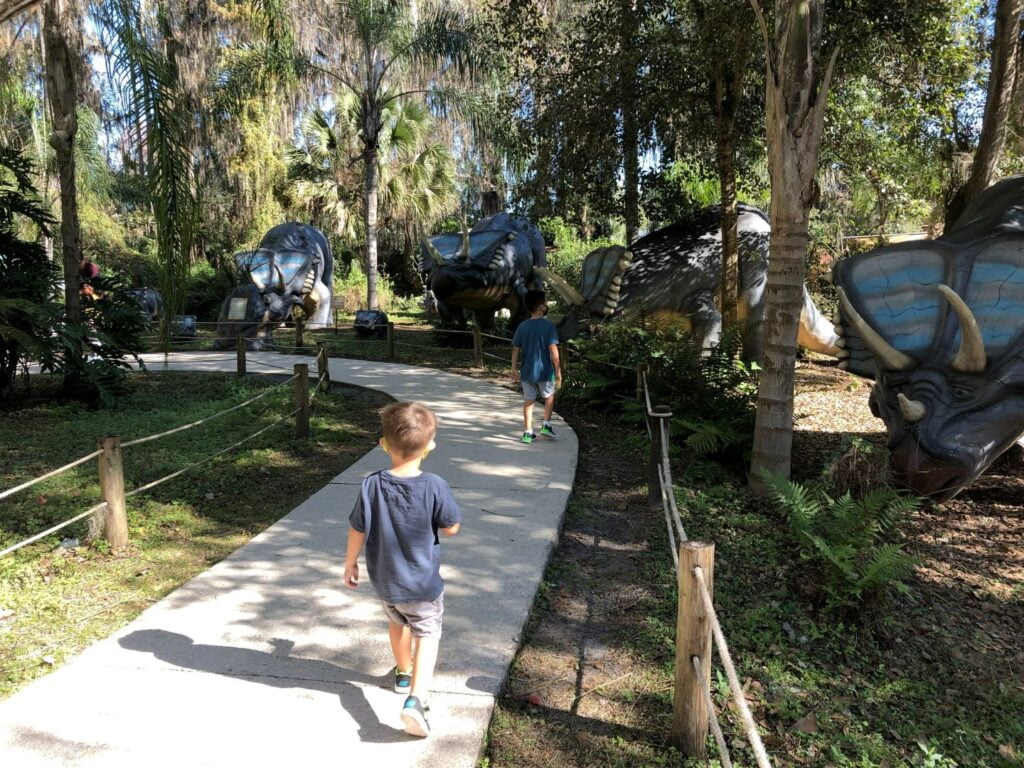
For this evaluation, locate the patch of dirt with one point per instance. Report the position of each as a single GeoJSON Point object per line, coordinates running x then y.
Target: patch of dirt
{"type": "Point", "coordinates": [588, 695]}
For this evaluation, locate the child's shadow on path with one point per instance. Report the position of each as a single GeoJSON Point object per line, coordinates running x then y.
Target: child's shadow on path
{"type": "Point", "coordinates": [278, 670]}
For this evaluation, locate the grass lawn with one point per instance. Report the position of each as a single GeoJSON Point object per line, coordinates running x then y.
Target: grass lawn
{"type": "Point", "coordinates": [54, 601]}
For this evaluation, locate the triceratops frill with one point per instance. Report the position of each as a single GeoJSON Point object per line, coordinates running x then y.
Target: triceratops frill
{"type": "Point", "coordinates": [939, 325]}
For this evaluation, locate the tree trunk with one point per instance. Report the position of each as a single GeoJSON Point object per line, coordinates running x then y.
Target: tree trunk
{"type": "Point", "coordinates": [998, 103]}
{"type": "Point", "coordinates": [630, 127]}
{"type": "Point", "coordinates": [62, 39]}
{"type": "Point", "coordinates": [371, 182]}
{"type": "Point", "coordinates": [725, 148]}
{"type": "Point", "coordinates": [1005, 62]}
{"type": "Point", "coordinates": [794, 116]}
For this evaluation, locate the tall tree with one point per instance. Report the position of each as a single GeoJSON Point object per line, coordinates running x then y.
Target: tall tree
{"type": "Point", "coordinates": [1002, 85]}
{"type": "Point", "coordinates": [796, 96]}
{"type": "Point", "coordinates": [381, 51]}
{"type": "Point", "coordinates": [725, 42]}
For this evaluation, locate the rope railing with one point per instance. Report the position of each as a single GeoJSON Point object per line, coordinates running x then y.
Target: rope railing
{"type": "Point", "coordinates": [658, 421]}
{"type": "Point", "coordinates": [730, 672]}
{"type": "Point", "coordinates": [53, 529]}
{"type": "Point", "coordinates": [51, 473]}
{"type": "Point", "coordinates": [716, 728]}
{"type": "Point", "coordinates": [110, 465]}
{"type": "Point", "coordinates": [183, 470]}
{"type": "Point", "coordinates": [183, 427]}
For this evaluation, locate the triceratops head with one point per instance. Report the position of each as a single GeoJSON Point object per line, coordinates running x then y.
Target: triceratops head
{"type": "Point", "coordinates": [939, 325]}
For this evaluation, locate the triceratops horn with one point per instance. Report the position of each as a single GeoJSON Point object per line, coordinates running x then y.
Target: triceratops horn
{"type": "Point", "coordinates": [566, 291]}
{"type": "Point", "coordinates": [912, 410]}
{"type": "Point", "coordinates": [464, 252]}
{"type": "Point", "coordinates": [434, 253]}
{"type": "Point", "coordinates": [891, 357]}
{"type": "Point", "coordinates": [970, 358]}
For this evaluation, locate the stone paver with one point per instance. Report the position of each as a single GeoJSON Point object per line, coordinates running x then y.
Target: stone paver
{"type": "Point", "coordinates": [266, 660]}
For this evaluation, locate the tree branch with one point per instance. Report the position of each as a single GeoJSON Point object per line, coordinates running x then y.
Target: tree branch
{"type": "Point", "coordinates": [764, 35]}
{"type": "Point", "coordinates": [18, 7]}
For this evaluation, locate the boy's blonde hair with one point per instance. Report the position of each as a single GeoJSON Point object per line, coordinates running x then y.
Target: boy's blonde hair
{"type": "Point", "coordinates": [408, 427]}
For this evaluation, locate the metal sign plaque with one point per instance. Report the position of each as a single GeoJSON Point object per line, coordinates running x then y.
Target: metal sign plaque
{"type": "Point", "coordinates": [237, 309]}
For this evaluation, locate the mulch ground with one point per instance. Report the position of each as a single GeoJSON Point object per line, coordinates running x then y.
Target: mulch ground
{"type": "Point", "coordinates": [591, 685]}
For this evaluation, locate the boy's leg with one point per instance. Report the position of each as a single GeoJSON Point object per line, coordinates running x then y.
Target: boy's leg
{"type": "Point", "coordinates": [401, 645]}
{"type": "Point", "coordinates": [528, 415]}
{"type": "Point", "coordinates": [549, 407]}
{"type": "Point", "coordinates": [423, 665]}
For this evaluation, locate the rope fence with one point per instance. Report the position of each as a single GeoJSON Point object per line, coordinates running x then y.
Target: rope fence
{"type": "Point", "coordinates": [697, 621]}
{"type": "Point", "coordinates": [114, 522]}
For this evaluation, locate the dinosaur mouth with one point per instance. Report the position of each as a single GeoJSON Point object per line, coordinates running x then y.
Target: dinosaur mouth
{"type": "Point", "coordinates": [927, 475]}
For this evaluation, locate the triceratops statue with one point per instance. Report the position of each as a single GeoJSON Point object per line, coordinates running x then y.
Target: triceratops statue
{"type": "Point", "coordinates": [675, 273]}
{"type": "Point", "coordinates": [939, 326]}
{"type": "Point", "coordinates": [292, 267]}
{"type": "Point", "coordinates": [488, 268]}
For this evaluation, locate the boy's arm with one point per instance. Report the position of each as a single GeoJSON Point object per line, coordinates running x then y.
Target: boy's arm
{"type": "Point", "coordinates": [515, 363]}
{"type": "Point", "coordinates": [355, 546]}
{"type": "Point", "coordinates": [452, 530]}
{"type": "Point", "coordinates": [556, 363]}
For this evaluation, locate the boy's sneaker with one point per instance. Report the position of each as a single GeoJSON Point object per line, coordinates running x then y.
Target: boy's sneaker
{"type": "Point", "coordinates": [548, 432]}
{"type": "Point", "coordinates": [528, 437]}
{"type": "Point", "coordinates": [403, 681]}
{"type": "Point", "coordinates": [414, 718]}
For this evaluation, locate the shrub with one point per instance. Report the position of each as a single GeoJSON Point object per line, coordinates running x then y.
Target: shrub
{"type": "Point", "coordinates": [712, 393]}
{"type": "Point", "coordinates": [91, 355]}
{"type": "Point", "coordinates": [27, 309]}
{"type": "Point", "coordinates": [206, 289]}
{"type": "Point", "coordinates": [350, 289]}
{"type": "Point", "coordinates": [566, 260]}
{"type": "Point", "coordinates": [854, 545]}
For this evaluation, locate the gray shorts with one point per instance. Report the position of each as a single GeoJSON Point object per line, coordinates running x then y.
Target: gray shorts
{"type": "Point", "coordinates": [424, 619]}
{"type": "Point", "coordinates": [534, 389]}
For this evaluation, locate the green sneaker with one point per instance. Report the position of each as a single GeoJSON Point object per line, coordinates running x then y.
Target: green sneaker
{"type": "Point", "coordinates": [528, 437]}
{"type": "Point", "coordinates": [548, 432]}
{"type": "Point", "coordinates": [403, 681]}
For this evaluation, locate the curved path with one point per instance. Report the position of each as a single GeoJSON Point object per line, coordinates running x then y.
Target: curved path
{"type": "Point", "coordinates": [266, 660]}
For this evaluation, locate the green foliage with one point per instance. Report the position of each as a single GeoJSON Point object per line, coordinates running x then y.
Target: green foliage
{"type": "Point", "coordinates": [207, 286]}
{"type": "Point", "coordinates": [566, 260]}
{"type": "Point", "coordinates": [853, 544]}
{"type": "Point", "coordinates": [29, 280]}
{"type": "Point", "coordinates": [350, 289]}
{"type": "Point", "coordinates": [711, 392]}
{"type": "Point", "coordinates": [109, 333]}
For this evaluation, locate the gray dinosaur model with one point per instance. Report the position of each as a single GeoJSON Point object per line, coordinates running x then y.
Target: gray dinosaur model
{"type": "Point", "coordinates": [488, 268]}
{"type": "Point", "coordinates": [292, 267]}
{"type": "Point", "coordinates": [939, 326]}
{"type": "Point", "coordinates": [675, 273]}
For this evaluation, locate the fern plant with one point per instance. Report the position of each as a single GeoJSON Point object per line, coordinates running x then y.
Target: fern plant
{"type": "Point", "coordinates": [855, 544]}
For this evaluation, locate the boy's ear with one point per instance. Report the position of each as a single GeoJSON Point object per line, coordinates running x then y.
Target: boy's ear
{"type": "Point", "coordinates": [383, 443]}
{"type": "Point", "coordinates": [430, 446]}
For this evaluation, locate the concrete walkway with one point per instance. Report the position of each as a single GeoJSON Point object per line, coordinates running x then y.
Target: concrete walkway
{"type": "Point", "coordinates": [267, 660]}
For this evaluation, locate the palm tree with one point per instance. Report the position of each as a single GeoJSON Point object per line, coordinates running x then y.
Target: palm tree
{"type": "Point", "coordinates": [416, 172]}
{"type": "Point", "coordinates": [383, 53]}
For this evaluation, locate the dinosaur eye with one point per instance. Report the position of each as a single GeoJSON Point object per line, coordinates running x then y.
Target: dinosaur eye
{"type": "Point", "coordinates": [961, 393]}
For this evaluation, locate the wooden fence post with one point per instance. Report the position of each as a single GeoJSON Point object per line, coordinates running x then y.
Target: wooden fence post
{"type": "Point", "coordinates": [302, 400]}
{"type": "Point", "coordinates": [240, 355]}
{"type": "Point", "coordinates": [115, 521]}
{"type": "Point", "coordinates": [640, 383]}
{"type": "Point", "coordinates": [391, 341]}
{"type": "Point", "coordinates": [690, 714]}
{"type": "Point", "coordinates": [478, 348]}
{"type": "Point", "coordinates": [299, 324]}
{"type": "Point", "coordinates": [323, 369]}
{"type": "Point", "coordinates": [661, 413]}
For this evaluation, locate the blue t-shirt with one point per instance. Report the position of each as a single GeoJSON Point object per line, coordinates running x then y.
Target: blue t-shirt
{"type": "Point", "coordinates": [400, 517]}
{"type": "Point", "coordinates": [534, 336]}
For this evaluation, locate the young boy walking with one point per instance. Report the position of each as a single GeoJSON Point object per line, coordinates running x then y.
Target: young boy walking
{"type": "Point", "coordinates": [536, 343]}
{"type": "Point", "coordinates": [398, 516]}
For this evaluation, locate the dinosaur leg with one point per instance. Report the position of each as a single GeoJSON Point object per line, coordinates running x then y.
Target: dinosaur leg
{"type": "Point", "coordinates": [706, 320]}
{"type": "Point", "coordinates": [320, 299]}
